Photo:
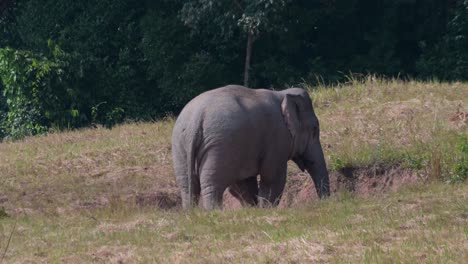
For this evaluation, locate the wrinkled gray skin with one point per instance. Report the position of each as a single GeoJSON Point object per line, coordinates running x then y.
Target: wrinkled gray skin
{"type": "Point", "coordinates": [227, 136]}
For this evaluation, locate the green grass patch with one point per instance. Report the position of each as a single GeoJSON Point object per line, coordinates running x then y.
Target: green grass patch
{"type": "Point", "coordinates": [423, 223]}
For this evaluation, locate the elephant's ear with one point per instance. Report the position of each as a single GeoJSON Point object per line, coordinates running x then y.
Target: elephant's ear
{"type": "Point", "coordinates": [290, 110]}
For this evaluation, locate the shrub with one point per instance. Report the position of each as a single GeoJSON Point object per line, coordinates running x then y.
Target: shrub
{"type": "Point", "coordinates": [460, 168]}
{"type": "Point", "coordinates": [36, 91]}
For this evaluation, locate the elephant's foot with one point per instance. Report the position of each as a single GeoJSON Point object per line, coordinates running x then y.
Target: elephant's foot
{"type": "Point", "coordinates": [270, 195]}
{"type": "Point", "coordinates": [189, 201]}
{"type": "Point", "coordinates": [212, 199]}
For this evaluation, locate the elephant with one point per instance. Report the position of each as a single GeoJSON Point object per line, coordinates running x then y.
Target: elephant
{"type": "Point", "coordinates": [226, 137]}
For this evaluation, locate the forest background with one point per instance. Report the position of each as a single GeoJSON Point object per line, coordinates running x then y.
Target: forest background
{"type": "Point", "coordinates": [67, 64]}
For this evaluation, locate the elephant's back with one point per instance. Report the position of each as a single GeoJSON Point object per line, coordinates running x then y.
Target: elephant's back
{"type": "Point", "coordinates": [233, 107]}
{"type": "Point", "coordinates": [227, 99]}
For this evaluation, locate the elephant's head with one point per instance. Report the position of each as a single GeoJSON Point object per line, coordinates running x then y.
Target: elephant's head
{"type": "Point", "coordinates": [306, 150]}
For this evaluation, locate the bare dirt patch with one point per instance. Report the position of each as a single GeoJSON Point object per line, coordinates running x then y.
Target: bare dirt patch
{"type": "Point", "coordinates": [114, 254]}
{"type": "Point", "coordinates": [159, 199]}
{"type": "Point", "coordinates": [362, 182]}
{"type": "Point", "coordinates": [459, 119]}
{"type": "Point", "coordinates": [117, 188]}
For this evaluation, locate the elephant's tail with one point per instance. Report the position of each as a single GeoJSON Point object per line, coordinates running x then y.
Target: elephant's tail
{"type": "Point", "coordinates": [193, 166]}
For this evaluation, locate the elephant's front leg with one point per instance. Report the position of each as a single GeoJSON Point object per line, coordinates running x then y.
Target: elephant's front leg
{"type": "Point", "coordinates": [272, 181]}
{"type": "Point", "coordinates": [246, 191]}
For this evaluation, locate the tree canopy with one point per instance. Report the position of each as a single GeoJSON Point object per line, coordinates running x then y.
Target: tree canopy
{"type": "Point", "coordinates": [67, 64]}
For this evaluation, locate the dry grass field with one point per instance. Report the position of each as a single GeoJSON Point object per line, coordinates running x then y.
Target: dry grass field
{"type": "Point", "coordinates": [397, 152]}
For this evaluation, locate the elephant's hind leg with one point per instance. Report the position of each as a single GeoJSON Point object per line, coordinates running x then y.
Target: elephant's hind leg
{"type": "Point", "coordinates": [211, 189]}
{"type": "Point", "coordinates": [212, 197]}
{"type": "Point", "coordinates": [189, 188]}
{"type": "Point", "coordinates": [246, 191]}
{"type": "Point", "coordinates": [191, 197]}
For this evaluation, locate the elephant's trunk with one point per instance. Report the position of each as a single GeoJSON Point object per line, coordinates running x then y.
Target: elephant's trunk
{"type": "Point", "coordinates": [317, 168]}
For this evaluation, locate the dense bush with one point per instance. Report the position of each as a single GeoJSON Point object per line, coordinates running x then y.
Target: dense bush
{"type": "Point", "coordinates": [36, 92]}
{"type": "Point", "coordinates": [460, 169]}
{"type": "Point", "coordinates": [139, 60]}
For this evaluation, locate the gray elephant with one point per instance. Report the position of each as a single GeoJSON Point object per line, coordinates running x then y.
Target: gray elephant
{"type": "Point", "coordinates": [227, 136]}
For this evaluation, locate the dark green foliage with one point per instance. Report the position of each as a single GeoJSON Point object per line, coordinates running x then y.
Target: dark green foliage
{"type": "Point", "coordinates": [181, 65]}
{"type": "Point", "coordinates": [138, 60]}
{"type": "Point", "coordinates": [36, 92]}
{"type": "Point", "coordinates": [448, 58]}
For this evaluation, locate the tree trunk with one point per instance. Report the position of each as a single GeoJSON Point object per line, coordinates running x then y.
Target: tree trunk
{"type": "Point", "coordinates": [248, 53]}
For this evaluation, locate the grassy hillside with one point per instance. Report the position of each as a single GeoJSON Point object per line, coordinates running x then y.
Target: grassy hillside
{"type": "Point", "coordinates": [407, 123]}
{"type": "Point", "coordinates": [99, 195]}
